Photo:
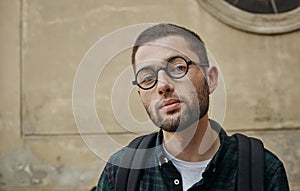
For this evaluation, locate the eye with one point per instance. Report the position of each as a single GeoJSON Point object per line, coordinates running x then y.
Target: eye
{"type": "Point", "coordinates": [146, 77]}
{"type": "Point", "coordinates": [179, 68]}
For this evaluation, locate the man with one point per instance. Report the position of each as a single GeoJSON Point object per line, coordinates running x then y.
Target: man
{"type": "Point", "coordinates": [191, 152]}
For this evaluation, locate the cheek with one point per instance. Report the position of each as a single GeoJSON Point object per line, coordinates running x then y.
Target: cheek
{"type": "Point", "coordinates": [192, 87]}
{"type": "Point", "coordinates": [187, 92]}
{"type": "Point", "coordinates": [198, 81]}
{"type": "Point", "coordinates": [145, 97]}
{"type": "Point", "coordinates": [191, 84]}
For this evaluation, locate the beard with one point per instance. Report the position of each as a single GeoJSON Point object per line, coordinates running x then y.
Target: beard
{"type": "Point", "coordinates": [194, 108]}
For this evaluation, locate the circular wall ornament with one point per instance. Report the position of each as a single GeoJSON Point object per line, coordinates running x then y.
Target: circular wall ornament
{"type": "Point", "coordinates": [271, 19]}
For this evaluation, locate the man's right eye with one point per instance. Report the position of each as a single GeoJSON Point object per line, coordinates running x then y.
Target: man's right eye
{"type": "Point", "coordinates": [148, 79]}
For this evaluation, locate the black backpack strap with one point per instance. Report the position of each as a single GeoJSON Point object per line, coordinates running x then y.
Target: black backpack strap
{"type": "Point", "coordinates": [122, 173]}
{"type": "Point", "coordinates": [251, 159]}
{"type": "Point", "coordinates": [132, 163]}
{"type": "Point", "coordinates": [243, 176]}
{"type": "Point", "coordinates": [257, 164]}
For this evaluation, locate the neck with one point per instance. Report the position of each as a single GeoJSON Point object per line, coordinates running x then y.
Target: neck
{"type": "Point", "coordinates": [198, 142]}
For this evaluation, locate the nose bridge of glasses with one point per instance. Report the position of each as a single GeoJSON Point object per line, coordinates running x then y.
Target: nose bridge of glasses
{"type": "Point", "coordinates": [163, 75]}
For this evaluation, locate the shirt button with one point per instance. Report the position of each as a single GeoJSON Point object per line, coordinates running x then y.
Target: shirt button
{"type": "Point", "coordinates": [214, 170]}
{"type": "Point", "coordinates": [176, 181]}
{"type": "Point", "coordinates": [166, 160]}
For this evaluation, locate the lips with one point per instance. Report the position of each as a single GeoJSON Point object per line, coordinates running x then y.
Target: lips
{"type": "Point", "coordinates": [170, 105]}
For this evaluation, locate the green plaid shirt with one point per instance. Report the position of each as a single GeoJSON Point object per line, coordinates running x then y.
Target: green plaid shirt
{"type": "Point", "coordinates": [220, 174]}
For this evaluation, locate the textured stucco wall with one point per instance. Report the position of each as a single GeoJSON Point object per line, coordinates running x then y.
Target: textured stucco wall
{"type": "Point", "coordinates": [42, 44]}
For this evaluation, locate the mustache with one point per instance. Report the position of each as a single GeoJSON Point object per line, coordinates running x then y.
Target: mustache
{"type": "Point", "coordinates": [157, 104]}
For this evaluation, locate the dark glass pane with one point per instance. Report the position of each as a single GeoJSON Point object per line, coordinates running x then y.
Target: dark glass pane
{"type": "Point", "coordinates": [287, 5]}
{"type": "Point", "coordinates": [265, 6]}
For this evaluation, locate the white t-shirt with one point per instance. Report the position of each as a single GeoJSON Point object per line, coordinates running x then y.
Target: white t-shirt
{"type": "Point", "coordinates": [191, 172]}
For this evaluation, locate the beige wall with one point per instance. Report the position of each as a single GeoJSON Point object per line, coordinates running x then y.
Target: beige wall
{"type": "Point", "coordinates": [42, 44]}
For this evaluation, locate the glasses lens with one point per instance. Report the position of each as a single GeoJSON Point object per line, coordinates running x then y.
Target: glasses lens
{"type": "Point", "coordinates": [177, 67]}
{"type": "Point", "coordinates": [146, 78]}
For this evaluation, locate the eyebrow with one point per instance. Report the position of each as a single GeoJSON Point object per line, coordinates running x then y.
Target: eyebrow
{"type": "Point", "coordinates": [165, 60]}
{"type": "Point", "coordinates": [177, 55]}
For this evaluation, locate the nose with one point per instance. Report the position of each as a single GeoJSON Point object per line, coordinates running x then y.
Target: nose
{"type": "Point", "coordinates": [164, 85]}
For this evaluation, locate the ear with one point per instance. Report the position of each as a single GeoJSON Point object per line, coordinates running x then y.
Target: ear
{"type": "Point", "coordinates": [212, 78]}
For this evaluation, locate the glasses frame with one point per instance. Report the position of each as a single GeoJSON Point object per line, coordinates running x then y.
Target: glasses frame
{"type": "Point", "coordinates": [165, 68]}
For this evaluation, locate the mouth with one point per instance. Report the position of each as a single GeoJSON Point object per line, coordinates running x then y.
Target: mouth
{"type": "Point", "coordinates": [170, 105]}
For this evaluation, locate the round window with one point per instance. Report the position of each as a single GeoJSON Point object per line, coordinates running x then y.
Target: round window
{"type": "Point", "coordinates": [259, 16]}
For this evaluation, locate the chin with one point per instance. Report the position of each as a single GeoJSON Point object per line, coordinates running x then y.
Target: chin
{"type": "Point", "coordinates": [178, 123]}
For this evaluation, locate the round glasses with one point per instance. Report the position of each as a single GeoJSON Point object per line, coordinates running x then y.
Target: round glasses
{"type": "Point", "coordinates": [176, 67]}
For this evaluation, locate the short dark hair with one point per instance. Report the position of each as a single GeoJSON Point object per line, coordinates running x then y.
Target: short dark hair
{"type": "Point", "coordinates": [164, 30]}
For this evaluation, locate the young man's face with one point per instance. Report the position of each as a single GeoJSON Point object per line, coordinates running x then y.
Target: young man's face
{"type": "Point", "coordinates": [172, 104]}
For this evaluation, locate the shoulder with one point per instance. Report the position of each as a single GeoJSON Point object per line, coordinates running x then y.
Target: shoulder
{"type": "Point", "coordinates": [272, 161]}
{"type": "Point", "coordinates": [107, 178]}
{"type": "Point", "coordinates": [115, 158]}
{"type": "Point", "coordinates": [275, 174]}
{"type": "Point", "coordinates": [275, 177]}
{"type": "Point", "coordinates": [108, 175]}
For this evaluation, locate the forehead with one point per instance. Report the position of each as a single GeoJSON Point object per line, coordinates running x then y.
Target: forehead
{"type": "Point", "coordinates": [164, 48]}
